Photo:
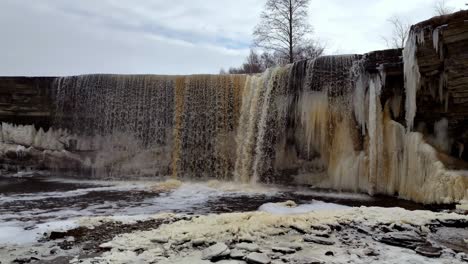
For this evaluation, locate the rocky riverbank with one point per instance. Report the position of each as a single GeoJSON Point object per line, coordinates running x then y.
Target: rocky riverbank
{"type": "Point", "coordinates": [354, 235]}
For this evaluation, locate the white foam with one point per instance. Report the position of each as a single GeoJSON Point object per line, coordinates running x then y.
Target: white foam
{"type": "Point", "coordinates": [278, 208]}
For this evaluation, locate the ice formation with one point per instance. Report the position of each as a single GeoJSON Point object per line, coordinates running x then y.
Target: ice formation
{"type": "Point", "coordinates": [411, 74]}
{"type": "Point", "coordinates": [325, 122]}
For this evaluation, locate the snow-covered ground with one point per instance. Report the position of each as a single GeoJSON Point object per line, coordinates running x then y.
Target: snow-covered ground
{"type": "Point", "coordinates": [32, 208]}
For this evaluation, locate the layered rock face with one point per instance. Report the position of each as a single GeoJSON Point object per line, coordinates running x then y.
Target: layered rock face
{"type": "Point", "coordinates": [26, 100]}
{"type": "Point", "coordinates": [442, 57]}
{"type": "Point", "coordinates": [388, 122]}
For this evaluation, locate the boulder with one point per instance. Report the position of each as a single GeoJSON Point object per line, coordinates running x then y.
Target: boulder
{"type": "Point", "coordinates": [257, 258]}
{"type": "Point", "coordinates": [216, 251]}
{"type": "Point", "coordinates": [407, 239]}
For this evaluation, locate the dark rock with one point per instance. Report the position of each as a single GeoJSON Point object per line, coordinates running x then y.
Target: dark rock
{"type": "Point", "coordinates": [428, 250]}
{"type": "Point", "coordinates": [364, 230]}
{"type": "Point", "coordinates": [57, 235]}
{"type": "Point", "coordinates": [453, 238]}
{"type": "Point", "coordinates": [407, 239]}
{"type": "Point", "coordinates": [318, 240]}
{"type": "Point", "coordinates": [283, 250]}
{"type": "Point", "coordinates": [321, 234]}
{"type": "Point", "coordinates": [370, 252]}
{"type": "Point", "coordinates": [329, 253]}
{"type": "Point", "coordinates": [298, 229]}
{"type": "Point", "coordinates": [25, 260]}
{"type": "Point", "coordinates": [138, 251]}
{"type": "Point", "coordinates": [58, 260]}
{"type": "Point", "coordinates": [230, 261]}
{"type": "Point", "coordinates": [336, 227]}
{"type": "Point", "coordinates": [459, 223]}
{"type": "Point", "coordinates": [324, 228]}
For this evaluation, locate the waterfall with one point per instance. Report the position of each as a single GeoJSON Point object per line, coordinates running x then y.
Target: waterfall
{"type": "Point", "coordinates": [329, 123]}
{"type": "Point", "coordinates": [153, 125]}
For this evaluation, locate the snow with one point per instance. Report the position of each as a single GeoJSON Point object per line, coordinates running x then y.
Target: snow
{"type": "Point", "coordinates": [267, 230]}
{"type": "Point", "coordinates": [20, 233]}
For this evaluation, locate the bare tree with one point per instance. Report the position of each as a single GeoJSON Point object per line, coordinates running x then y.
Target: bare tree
{"type": "Point", "coordinates": [253, 63]}
{"type": "Point", "coordinates": [309, 51]}
{"type": "Point", "coordinates": [441, 8]}
{"type": "Point", "coordinates": [283, 27]}
{"type": "Point", "coordinates": [400, 32]}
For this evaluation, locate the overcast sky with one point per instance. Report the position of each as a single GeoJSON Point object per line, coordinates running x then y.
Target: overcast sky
{"type": "Point", "coordinates": [59, 37]}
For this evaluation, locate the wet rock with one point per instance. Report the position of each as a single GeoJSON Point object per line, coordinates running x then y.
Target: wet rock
{"type": "Point", "coordinates": [319, 233]}
{"type": "Point", "coordinates": [298, 228]}
{"type": "Point", "coordinates": [251, 247]}
{"type": "Point", "coordinates": [283, 250]}
{"type": "Point", "coordinates": [160, 240]}
{"type": "Point", "coordinates": [321, 227]}
{"type": "Point", "coordinates": [25, 260]}
{"type": "Point", "coordinates": [246, 238]}
{"type": "Point", "coordinates": [428, 250]}
{"type": "Point", "coordinates": [462, 256]}
{"type": "Point", "coordinates": [57, 235]}
{"type": "Point", "coordinates": [335, 227]}
{"type": "Point", "coordinates": [58, 260]}
{"type": "Point", "coordinates": [216, 251]}
{"type": "Point", "coordinates": [231, 261]}
{"type": "Point", "coordinates": [318, 240]}
{"type": "Point", "coordinates": [407, 239]}
{"type": "Point", "coordinates": [370, 252]}
{"type": "Point", "coordinates": [138, 251]}
{"type": "Point", "coordinates": [257, 258]}
{"type": "Point", "coordinates": [459, 223]}
{"type": "Point", "coordinates": [237, 254]}
{"type": "Point", "coordinates": [453, 238]}
{"type": "Point", "coordinates": [364, 230]}
{"type": "Point", "coordinates": [199, 242]}
{"type": "Point", "coordinates": [329, 253]}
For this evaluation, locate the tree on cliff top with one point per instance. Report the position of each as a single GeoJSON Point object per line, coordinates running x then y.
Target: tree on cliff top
{"type": "Point", "coordinates": [400, 32]}
{"type": "Point", "coordinates": [441, 8]}
{"type": "Point", "coordinates": [283, 28]}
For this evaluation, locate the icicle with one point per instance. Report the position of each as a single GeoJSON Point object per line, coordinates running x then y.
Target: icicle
{"type": "Point", "coordinates": [412, 76]}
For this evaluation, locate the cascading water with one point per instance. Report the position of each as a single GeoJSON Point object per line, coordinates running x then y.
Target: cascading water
{"type": "Point", "coordinates": [152, 125]}
{"type": "Point", "coordinates": [328, 122]}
